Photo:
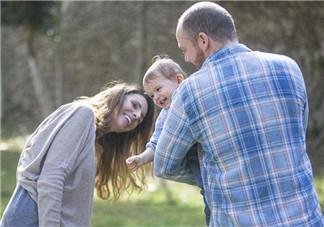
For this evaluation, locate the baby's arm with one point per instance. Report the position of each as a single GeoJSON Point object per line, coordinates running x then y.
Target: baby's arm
{"type": "Point", "coordinates": [136, 161]}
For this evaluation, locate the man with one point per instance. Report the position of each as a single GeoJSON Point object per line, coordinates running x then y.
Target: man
{"type": "Point", "coordinates": [248, 110]}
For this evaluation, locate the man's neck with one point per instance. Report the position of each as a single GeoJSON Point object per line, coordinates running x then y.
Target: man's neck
{"type": "Point", "coordinates": [215, 46]}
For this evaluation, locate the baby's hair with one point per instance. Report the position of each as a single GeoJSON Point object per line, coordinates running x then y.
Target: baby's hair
{"type": "Point", "coordinates": [163, 66]}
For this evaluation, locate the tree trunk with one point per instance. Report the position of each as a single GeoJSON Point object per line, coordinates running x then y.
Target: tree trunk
{"type": "Point", "coordinates": [1, 92]}
{"type": "Point", "coordinates": [41, 93]}
{"type": "Point", "coordinates": [59, 53]}
{"type": "Point", "coordinates": [141, 36]}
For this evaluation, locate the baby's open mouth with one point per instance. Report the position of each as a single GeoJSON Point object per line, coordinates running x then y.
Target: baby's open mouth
{"type": "Point", "coordinates": [162, 102]}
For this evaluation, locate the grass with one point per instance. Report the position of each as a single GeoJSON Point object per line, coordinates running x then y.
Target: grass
{"type": "Point", "coordinates": [153, 207]}
{"type": "Point", "coordinates": [162, 204]}
{"type": "Point", "coordinates": [319, 184]}
{"type": "Point", "coordinates": [145, 212]}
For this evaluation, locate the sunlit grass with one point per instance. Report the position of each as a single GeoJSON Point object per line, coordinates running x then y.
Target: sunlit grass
{"type": "Point", "coordinates": [161, 204]}
{"type": "Point", "coordinates": [12, 143]}
{"type": "Point", "coordinates": [319, 184]}
{"type": "Point", "coordinates": [154, 208]}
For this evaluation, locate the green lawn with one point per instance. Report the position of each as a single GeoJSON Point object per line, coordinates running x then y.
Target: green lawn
{"type": "Point", "coordinates": [163, 203]}
{"type": "Point", "coordinates": [153, 207]}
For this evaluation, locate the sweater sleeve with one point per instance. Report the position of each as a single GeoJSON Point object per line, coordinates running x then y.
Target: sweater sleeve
{"type": "Point", "coordinates": [62, 157]}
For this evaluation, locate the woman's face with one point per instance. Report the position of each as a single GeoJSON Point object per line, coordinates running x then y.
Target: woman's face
{"type": "Point", "coordinates": [131, 113]}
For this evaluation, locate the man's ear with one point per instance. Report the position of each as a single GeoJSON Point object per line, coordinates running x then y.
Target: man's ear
{"type": "Point", "coordinates": [203, 41]}
{"type": "Point", "coordinates": [179, 78]}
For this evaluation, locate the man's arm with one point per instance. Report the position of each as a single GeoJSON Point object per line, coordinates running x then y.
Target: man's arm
{"type": "Point", "coordinates": [174, 142]}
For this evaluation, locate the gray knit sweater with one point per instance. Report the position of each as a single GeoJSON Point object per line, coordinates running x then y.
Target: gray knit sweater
{"type": "Point", "coordinates": [57, 166]}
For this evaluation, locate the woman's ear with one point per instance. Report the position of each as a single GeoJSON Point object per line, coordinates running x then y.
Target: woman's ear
{"type": "Point", "coordinates": [203, 41]}
{"type": "Point", "coordinates": [179, 78]}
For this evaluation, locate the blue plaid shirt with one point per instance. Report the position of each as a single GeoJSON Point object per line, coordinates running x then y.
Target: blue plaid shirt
{"type": "Point", "coordinates": [248, 110]}
{"type": "Point", "coordinates": [192, 166]}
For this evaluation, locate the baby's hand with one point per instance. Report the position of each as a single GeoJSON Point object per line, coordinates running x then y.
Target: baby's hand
{"type": "Point", "coordinates": [134, 162]}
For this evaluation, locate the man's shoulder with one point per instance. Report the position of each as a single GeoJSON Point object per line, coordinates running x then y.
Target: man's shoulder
{"type": "Point", "coordinates": [275, 57]}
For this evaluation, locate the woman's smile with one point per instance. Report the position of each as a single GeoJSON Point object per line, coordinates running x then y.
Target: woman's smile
{"type": "Point", "coordinates": [128, 119]}
{"type": "Point", "coordinates": [131, 114]}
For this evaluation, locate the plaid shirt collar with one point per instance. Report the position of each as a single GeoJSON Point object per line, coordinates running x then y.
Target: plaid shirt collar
{"type": "Point", "coordinates": [225, 51]}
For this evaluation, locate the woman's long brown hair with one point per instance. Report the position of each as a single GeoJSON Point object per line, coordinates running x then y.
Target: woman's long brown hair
{"type": "Point", "coordinates": [112, 149]}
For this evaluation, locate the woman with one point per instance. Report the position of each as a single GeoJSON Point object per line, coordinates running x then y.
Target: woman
{"type": "Point", "coordinates": [80, 146]}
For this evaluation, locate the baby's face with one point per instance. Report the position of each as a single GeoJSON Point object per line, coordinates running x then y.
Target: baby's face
{"type": "Point", "coordinates": [160, 90]}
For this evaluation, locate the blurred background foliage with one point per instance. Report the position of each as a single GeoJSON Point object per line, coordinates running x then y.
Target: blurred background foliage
{"type": "Point", "coordinates": [54, 51]}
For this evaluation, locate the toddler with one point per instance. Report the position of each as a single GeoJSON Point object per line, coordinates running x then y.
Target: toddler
{"type": "Point", "coordinates": [159, 82]}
